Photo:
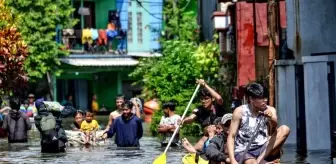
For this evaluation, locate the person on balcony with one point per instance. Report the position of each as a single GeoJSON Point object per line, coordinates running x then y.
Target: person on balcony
{"type": "Point", "coordinates": [111, 32]}
{"type": "Point", "coordinates": [122, 42]}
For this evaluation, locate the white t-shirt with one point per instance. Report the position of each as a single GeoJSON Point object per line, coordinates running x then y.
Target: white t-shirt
{"type": "Point", "coordinates": [173, 120]}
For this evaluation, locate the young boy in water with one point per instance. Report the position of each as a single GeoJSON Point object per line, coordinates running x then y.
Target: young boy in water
{"type": "Point", "coordinates": [89, 127]}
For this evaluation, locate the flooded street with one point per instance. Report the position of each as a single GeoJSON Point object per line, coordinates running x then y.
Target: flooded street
{"type": "Point", "coordinates": [150, 149]}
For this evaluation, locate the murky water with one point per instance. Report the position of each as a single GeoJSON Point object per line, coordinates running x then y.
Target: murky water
{"type": "Point", "coordinates": [150, 149]}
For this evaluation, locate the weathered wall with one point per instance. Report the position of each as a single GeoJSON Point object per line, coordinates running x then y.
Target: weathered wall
{"type": "Point", "coordinates": [286, 102]}
{"type": "Point", "coordinates": [245, 38]}
{"type": "Point", "coordinates": [316, 27]}
{"type": "Point", "coordinates": [317, 105]}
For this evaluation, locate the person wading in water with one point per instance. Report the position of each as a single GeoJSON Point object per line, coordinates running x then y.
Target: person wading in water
{"type": "Point", "coordinates": [127, 127]}
{"type": "Point", "coordinates": [120, 99]}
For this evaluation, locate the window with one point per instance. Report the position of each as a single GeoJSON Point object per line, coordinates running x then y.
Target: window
{"type": "Point", "coordinates": [138, 4]}
{"type": "Point", "coordinates": [130, 3]}
{"type": "Point", "coordinates": [129, 31]}
{"type": "Point", "coordinates": [139, 21]}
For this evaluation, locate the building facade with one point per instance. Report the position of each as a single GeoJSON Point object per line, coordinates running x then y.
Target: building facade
{"type": "Point", "coordinates": [105, 46]}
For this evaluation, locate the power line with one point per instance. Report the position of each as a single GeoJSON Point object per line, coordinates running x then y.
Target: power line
{"type": "Point", "coordinates": [140, 4]}
{"type": "Point", "coordinates": [148, 2]}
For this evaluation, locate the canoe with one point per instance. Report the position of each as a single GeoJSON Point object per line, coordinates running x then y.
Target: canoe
{"type": "Point", "coordinates": [77, 138]}
{"type": "Point", "coordinates": [191, 158]}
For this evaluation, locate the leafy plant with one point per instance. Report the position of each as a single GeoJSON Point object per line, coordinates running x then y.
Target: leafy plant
{"type": "Point", "coordinates": [207, 55]}
{"type": "Point", "coordinates": [38, 20]}
{"type": "Point", "coordinates": [173, 76]}
{"type": "Point", "coordinates": [13, 53]}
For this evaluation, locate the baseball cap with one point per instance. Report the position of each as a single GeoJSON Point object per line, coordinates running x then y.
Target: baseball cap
{"type": "Point", "coordinates": [227, 117]}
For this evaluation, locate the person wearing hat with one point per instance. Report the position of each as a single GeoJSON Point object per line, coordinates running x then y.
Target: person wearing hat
{"type": "Point", "coordinates": [213, 148]}
{"type": "Point", "coordinates": [31, 99]}
{"type": "Point", "coordinates": [216, 150]}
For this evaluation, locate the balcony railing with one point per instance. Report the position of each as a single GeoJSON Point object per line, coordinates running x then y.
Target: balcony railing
{"type": "Point", "coordinates": [95, 41]}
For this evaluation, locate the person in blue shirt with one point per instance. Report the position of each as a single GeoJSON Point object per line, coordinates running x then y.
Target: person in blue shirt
{"type": "Point", "coordinates": [127, 127]}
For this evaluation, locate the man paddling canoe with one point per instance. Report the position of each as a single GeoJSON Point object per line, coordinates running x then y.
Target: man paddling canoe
{"type": "Point", "coordinates": [243, 127]}
{"type": "Point", "coordinates": [211, 108]}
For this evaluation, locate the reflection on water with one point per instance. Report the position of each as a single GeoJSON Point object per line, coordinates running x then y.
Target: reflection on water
{"type": "Point", "coordinates": [149, 150]}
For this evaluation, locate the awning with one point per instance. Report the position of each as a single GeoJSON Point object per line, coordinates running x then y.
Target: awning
{"type": "Point", "coordinates": [100, 62]}
{"type": "Point", "coordinates": [144, 54]}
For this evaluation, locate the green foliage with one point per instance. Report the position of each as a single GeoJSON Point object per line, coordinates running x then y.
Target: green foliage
{"type": "Point", "coordinates": [180, 24]}
{"type": "Point", "coordinates": [38, 20]}
{"type": "Point", "coordinates": [13, 53]}
{"type": "Point", "coordinates": [173, 76]}
{"type": "Point", "coordinates": [207, 55]}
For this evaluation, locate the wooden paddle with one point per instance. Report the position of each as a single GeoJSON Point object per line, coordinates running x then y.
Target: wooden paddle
{"type": "Point", "coordinates": [163, 157]}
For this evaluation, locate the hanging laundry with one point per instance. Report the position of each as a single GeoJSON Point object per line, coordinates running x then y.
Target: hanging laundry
{"type": "Point", "coordinates": [86, 36]}
{"type": "Point", "coordinates": [111, 30]}
{"type": "Point", "coordinates": [111, 26]}
{"type": "Point", "coordinates": [102, 38]}
{"type": "Point", "coordinates": [66, 34]}
{"type": "Point", "coordinates": [94, 33]}
{"type": "Point", "coordinates": [111, 34]}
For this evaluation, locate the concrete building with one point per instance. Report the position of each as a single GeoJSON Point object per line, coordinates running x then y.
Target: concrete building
{"type": "Point", "coordinates": [103, 68]}
{"type": "Point", "coordinates": [306, 84]}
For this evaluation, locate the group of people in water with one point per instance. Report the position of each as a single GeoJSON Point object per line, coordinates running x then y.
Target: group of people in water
{"type": "Point", "coordinates": [245, 135]}
{"type": "Point", "coordinates": [124, 122]}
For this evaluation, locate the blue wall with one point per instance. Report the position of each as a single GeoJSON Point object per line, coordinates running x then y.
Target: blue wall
{"type": "Point", "coordinates": [151, 12]}
{"type": "Point", "coordinates": [156, 8]}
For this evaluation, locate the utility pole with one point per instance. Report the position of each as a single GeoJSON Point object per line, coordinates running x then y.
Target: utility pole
{"type": "Point", "coordinates": [273, 37]}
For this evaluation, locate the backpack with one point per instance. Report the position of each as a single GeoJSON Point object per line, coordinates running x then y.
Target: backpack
{"type": "Point", "coordinates": [48, 128]}
{"type": "Point", "coordinates": [53, 136]}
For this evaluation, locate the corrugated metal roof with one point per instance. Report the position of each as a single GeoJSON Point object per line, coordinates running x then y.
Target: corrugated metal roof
{"type": "Point", "coordinates": [100, 62]}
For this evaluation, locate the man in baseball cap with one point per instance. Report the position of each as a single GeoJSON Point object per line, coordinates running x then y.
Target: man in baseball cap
{"type": "Point", "coordinates": [217, 146]}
